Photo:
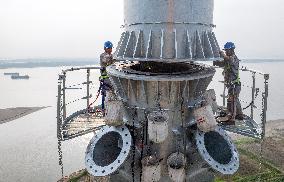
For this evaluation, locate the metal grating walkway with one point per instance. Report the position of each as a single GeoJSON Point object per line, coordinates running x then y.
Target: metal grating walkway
{"type": "Point", "coordinates": [247, 127]}
{"type": "Point", "coordinates": [81, 123]}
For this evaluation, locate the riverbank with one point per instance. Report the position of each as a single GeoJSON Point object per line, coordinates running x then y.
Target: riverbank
{"type": "Point", "coordinates": [10, 114]}
{"type": "Point", "coordinates": [259, 160]}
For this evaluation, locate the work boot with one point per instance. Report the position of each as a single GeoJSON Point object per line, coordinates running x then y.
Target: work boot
{"type": "Point", "coordinates": [222, 114]}
{"type": "Point", "coordinates": [229, 122]}
{"type": "Point", "coordinates": [225, 119]}
{"type": "Point", "coordinates": [230, 107]}
{"type": "Point", "coordinates": [240, 117]}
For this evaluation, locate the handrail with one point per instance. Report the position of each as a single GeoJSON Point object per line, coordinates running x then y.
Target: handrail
{"type": "Point", "coordinates": [80, 68]}
{"type": "Point", "coordinates": [244, 68]}
{"type": "Point", "coordinates": [62, 104]}
{"type": "Point", "coordinates": [62, 113]}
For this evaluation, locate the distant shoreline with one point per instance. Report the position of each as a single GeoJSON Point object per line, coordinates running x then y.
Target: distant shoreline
{"type": "Point", "coordinates": [7, 64]}
{"type": "Point", "coordinates": [10, 114]}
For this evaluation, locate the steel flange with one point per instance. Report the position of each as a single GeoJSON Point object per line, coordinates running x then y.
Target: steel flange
{"type": "Point", "coordinates": [218, 150]}
{"type": "Point", "coordinates": [108, 150]}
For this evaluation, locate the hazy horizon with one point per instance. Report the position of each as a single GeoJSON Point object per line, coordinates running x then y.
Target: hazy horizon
{"type": "Point", "coordinates": [41, 29]}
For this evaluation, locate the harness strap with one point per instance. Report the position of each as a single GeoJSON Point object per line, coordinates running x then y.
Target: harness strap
{"type": "Point", "coordinates": [104, 77]}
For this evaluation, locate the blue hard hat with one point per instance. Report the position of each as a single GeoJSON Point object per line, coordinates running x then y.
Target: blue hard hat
{"type": "Point", "coordinates": [229, 45]}
{"type": "Point", "coordinates": [108, 45]}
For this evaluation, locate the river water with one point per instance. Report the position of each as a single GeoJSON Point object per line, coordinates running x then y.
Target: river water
{"type": "Point", "coordinates": [28, 146]}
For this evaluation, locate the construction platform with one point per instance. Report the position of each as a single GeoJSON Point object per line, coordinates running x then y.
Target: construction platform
{"type": "Point", "coordinates": [81, 123]}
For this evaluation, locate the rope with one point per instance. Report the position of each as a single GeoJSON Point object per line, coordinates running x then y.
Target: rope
{"type": "Point", "coordinates": [97, 96]}
{"type": "Point", "coordinates": [71, 102]}
{"type": "Point", "coordinates": [248, 105]}
{"type": "Point", "coordinates": [252, 102]}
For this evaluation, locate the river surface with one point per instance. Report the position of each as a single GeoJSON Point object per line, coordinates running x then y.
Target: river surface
{"type": "Point", "coordinates": [28, 146]}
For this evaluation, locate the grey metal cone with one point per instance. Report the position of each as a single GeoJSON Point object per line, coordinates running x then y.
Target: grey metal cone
{"type": "Point", "coordinates": [168, 31]}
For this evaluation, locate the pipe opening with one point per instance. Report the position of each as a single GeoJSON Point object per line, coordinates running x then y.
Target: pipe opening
{"type": "Point", "coordinates": [160, 68]}
{"type": "Point", "coordinates": [217, 147]}
{"type": "Point", "coordinates": [107, 149]}
{"type": "Point", "coordinates": [176, 161]}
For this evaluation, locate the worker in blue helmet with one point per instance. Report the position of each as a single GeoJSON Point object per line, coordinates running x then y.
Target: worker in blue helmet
{"type": "Point", "coordinates": [232, 81]}
{"type": "Point", "coordinates": [106, 59]}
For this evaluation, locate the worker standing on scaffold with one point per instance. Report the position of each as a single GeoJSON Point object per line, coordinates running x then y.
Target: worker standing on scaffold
{"type": "Point", "coordinates": [232, 81]}
{"type": "Point", "coordinates": [106, 59]}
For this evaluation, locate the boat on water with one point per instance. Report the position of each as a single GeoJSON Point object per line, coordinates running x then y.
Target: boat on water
{"type": "Point", "coordinates": [11, 74]}
{"type": "Point", "coordinates": [15, 77]}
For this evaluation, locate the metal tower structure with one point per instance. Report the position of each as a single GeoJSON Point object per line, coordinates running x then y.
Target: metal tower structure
{"type": "Point", "coordinates": [159, 85]}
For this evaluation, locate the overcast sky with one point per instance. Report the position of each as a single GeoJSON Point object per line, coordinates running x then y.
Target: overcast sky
{"type": "Point", "coordinates": [78, 28]}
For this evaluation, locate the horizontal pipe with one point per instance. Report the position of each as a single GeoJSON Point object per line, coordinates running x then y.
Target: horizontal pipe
{"type": "Point", "coordinates": [80, 68]}
{"type": "Point", "coordinates": [266, 76]}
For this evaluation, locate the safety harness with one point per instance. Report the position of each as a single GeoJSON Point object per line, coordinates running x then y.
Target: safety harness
{"type": "Point", "coordinates": [104, 77]}
{"type": "Point", "coordinates": [227, 68]}
{"type": "Point", "coordinates": [100, 90]}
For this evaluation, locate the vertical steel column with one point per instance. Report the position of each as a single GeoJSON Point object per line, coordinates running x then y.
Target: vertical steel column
{"type": "Point", "coordinates": [88, 89]}
{"type": "Point", "coordinates": [59, 121]}
{"type": "Point", "coordinates": [265, 96]}
{"type": "Point", "coordinates": [64, 95]}
{"type": "Point", "coordinates": [252, 95]}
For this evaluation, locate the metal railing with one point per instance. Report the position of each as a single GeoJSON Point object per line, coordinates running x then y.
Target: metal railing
{"type": "Point", "coordinates": [264, 97]}
{"type": "Point", "coordinates": [63, 116]}
{"type": "Point", "coordinates": [252, 105]}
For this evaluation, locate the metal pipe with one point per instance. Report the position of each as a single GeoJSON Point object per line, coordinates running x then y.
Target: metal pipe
{"type": "Point", "coordinates": [59, 122]}
{"type": "Point", "coordinates": [252, 71]}
{"type": "Point", "coordinates": [64, 95]}
{"type": "Point", "coordinates": [266, 77]}
{"type": "Point", "coordinates": [252, 95]}
{"type": "Point", "coordinates": [88, 89]}
{"type": "Point", "coordinates": [245, 69]}
{"type": "Point", "coordinates": [80, 68]}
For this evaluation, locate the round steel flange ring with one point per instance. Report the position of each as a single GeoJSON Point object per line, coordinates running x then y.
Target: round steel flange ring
{"type": "Point", "coordinates": [108, 150]}
{"type": "Point", "coordinates": [218, 150]}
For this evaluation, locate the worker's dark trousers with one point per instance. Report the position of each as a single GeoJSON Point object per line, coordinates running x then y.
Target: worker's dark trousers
{"type": "Point", "coordinates": [103, 101]}
{"type": "Point", "coordinates": [233, 103]}
{"type": "Point", "coordinates": [105, 87]}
